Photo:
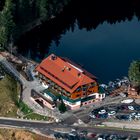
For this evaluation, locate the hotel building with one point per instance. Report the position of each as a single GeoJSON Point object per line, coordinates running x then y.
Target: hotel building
{"type": "Point", "coordinates": [68, 81]}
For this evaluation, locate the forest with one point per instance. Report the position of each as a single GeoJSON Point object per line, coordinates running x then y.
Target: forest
{"type": "Point", "coordinates": [17, 16]}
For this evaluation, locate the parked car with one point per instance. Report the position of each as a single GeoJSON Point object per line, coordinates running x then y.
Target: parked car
{"type": "Point", "coordinates": [92, 115]}
{"type": "Point", "coordinates": [91, 135]}
{"type": "Point", "coordinates": [127, 101]}
{"type": "Point", "coordinates": [103, 111]}
{"type": "Point", "coordinates": [111, 113]}
{"type": "Point", "coordinates": [57, 135]}
{"type": "Point", "coordinates": [133, 138]}
{"type": "Point", "coordinates": [130, 107]}
{"type": "Point", "coordinates": [113, 137]}
{"type": "Point", "coordinates": [100, 138]}
{"type": "Point", "coordinates": [137, 108]}
{"type": "Point", "coordinates": [124, 117]}
{"type": "Point", "coordinates": [133, 114]}
{"type": "Point", "coordinates": [122, 107]}
{"type": "Point", "coordinates": [103, 116]}
{"type": "Point", "coordinates": [122, 137]}
{"type": "Point", "coordinates": [95, 111]}
{"type": "Point", "coordinates": [137, 116]}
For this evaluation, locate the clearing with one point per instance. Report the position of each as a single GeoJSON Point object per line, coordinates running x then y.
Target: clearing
{"type": "Point", "coordinates": [9, 89]}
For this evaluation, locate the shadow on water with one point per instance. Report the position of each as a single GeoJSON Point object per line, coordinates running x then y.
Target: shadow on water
{"type": "Point", "coordinates": [79, 14]}
{"type": "Point", "coordinates": [88, 15]}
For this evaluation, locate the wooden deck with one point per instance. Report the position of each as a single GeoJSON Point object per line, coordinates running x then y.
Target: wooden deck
{"type": "Point", "coordinates": [119, 90]}
{"type": "Point", "coordinates": [123, 89]}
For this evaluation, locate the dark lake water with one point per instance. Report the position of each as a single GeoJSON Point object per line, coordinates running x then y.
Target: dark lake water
{"type": "Point", "coordinates": [106, 50]}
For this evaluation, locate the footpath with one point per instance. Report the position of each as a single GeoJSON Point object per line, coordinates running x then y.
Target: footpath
{"type": "Point", "coordinates": [123, 125]}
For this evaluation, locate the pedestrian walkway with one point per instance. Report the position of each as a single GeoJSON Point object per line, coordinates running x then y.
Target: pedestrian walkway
{"type": "Point", "coordinates": [123, 125]}
{"type": "Point", "coordinates": [12, 70]}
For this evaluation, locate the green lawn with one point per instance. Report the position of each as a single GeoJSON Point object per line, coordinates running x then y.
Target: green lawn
{"type": "Point", "coordinates": [8, 94]}
{"type": "Point", "coordinates": [35, 116]}
{"type": "Point", "coordinates": [24, 108]}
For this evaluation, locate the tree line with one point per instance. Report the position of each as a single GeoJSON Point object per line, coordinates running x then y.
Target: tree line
{"type": "Point", "coordinates": [15, 14]}
{"type": "Point", "coordinates": [134, 75]}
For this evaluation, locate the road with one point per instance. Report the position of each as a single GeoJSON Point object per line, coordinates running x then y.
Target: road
{"type": "Point", "coordinates": [48, 128]}
{"type": "Point", "coordinates": [12, 70]}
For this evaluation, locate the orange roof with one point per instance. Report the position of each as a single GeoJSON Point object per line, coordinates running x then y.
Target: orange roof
{"type": "Point", "coordinates": [64, 73]}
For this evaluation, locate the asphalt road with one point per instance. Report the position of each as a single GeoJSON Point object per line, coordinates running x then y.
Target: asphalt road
{"type": "Point", "coordinates": [48, 128]}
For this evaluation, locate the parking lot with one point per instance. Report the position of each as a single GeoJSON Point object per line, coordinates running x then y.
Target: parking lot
{"type": "Point", "coordinates": [121, 111]}
{"type": "Point", "coordinates": [84, 135]}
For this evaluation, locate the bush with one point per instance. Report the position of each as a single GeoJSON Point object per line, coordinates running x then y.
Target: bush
{"type": "Point", "coordinates": [62, 107]}
{"type": "Point", "coordinates": [24, 108]}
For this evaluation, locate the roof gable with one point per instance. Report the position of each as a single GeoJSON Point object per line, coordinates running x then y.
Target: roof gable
{"type": "Point", "coordinates": [62, 72]}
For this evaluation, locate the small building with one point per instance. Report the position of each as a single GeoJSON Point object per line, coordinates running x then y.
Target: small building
{"type": "Point", "coordinates": [68, 80]}
{"type": "Point", "coordinates": [42, 100]}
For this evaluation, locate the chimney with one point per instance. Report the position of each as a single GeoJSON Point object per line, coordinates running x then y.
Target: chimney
{"type": "Point", "coordinates": [79, 74]}
{"type": "Point", "coordinates": [68, 68]}
{"type": "Point", "coordinates": [53, 57]}
{"type": "Point", "coordinates": [63, 69]}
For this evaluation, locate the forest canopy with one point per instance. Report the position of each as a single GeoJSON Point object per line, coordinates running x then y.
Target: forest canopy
{"type": "Point", "coordinates": [15, 15]}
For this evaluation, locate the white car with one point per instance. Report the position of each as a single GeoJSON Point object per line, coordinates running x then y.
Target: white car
{"type": "Point", "coordinates": [131, 107]}
{"type": "Point", "coordinates": [137, 115]}
{"type": "Point", "coordinates": [100, 139]}
{"type": "Point", "coordinates": [103, 111]}
{"type": "Point", "coordinates": [133, 114]}
{"type": "Point", "coordinates": [92, 116]}
{"type": "Point", "coordinates": [127, 101]}
{"type": "Point", "coordinates": [111, 113]}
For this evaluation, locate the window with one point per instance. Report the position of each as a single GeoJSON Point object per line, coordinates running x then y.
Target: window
{"type": "Point", "coordinates": [53, 106]}
{"type": "Point", "coordinates": [84, 89]}
{"type": "Point", "coordinates": [77, 95]}
{"type": "Point", "coordinates": [78, 89]}
{"type": "Point", "coordinates": [71, 103]}
{"type": "Point", "coordinates": [92, 85]}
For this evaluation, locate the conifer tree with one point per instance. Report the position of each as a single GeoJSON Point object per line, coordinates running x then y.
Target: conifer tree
{"type": "Point", "coordinates": [134, 73]}
{"type": "Point", "coordinates": [6, 22]}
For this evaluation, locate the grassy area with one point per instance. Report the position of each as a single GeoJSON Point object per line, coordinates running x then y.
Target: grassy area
{"type": "Point", "coordinates": [9, 92]}
{"type": "Point", "coordinates": [8, 95]}
{"type": "Point", "coordinates": [28, 113]}
{"type": "Point", "coordinates": [18, 134]}
{"type": "Point", "coordinates": [35, 116]}
{"type": "Point", "coordinates": [24, 108]}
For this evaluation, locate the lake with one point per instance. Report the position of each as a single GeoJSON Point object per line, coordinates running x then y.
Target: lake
{"type": "Point", "coordinates": [106, 51]}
